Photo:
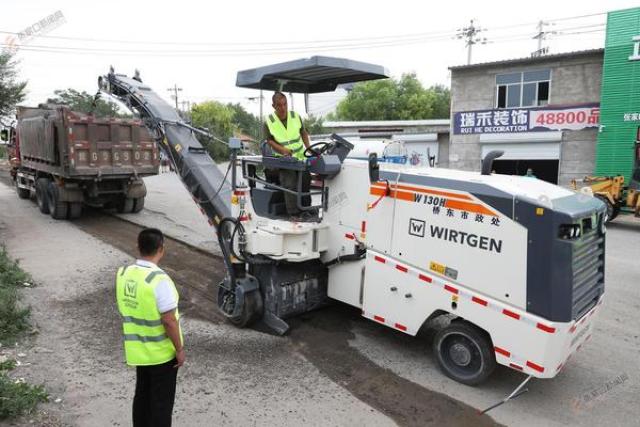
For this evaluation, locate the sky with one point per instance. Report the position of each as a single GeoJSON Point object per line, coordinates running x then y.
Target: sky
{"type": "Point", "coordinates": [200, 46]}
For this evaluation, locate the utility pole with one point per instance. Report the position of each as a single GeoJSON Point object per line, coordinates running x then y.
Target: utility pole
{"type": "Point", "coordinates": [175, 89]}
{"type": "Point", "coordinates": [470, 36]}
{"type": "Point", "coordinates": [541, 35]}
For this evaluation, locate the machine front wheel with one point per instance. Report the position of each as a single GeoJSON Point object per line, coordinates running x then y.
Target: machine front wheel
{"type": "Point", "coordinates": [464, 352]}
{"type": "Point", "coordinates": [250, 311]}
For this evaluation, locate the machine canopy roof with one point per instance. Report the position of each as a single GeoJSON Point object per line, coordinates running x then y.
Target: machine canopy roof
{"type": "Point", "coordinates": [309, 75]}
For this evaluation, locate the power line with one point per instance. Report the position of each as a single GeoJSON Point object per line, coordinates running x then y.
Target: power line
{"type": "Point", "coordinates": [470, 36]}
{"type": "Point", "coordinates": [289, 43]}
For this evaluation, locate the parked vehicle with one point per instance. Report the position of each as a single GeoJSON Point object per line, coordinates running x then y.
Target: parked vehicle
{"type": "Point", "coordinates": [66, 159]}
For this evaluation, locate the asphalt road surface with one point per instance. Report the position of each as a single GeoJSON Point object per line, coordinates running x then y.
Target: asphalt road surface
{"type": "Point", "coordinates": [334, 368]}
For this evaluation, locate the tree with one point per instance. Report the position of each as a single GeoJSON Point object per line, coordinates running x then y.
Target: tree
{"type": "Point", "coordinates": [245, 122]}
{"type": "Point", "coordinates": [392, 99]}
{"type": "Point", "coordinates": [218, 119]}
{"type": "Point", "coordinates": [12, 92]}
{"type": "Point", "coordinates": [313, 124]}
{"type": "Point", "coordinates": [83, 102]}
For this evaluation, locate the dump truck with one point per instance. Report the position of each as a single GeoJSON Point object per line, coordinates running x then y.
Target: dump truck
{"type": "Point", "coordinates": [67, 159]}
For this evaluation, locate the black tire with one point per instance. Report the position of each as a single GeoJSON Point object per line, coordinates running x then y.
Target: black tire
{"type": "Point", "coordinates": [251, 311]}
{"type": "Point", "coordinates": [23, 193]}
{"type": "Point", "coordinates": [42, 195]}
{"type": "Point", "coordinates": [57, 208]}
{"type": "Point", "coordinates": [124, 205]}
{"type": "Point", "coordinates": [138, 204]}
{"type": "Point", "coordinates": [75, 210]}
{"type": "Point", "coordinates": [464, 352]}
{"type": "Point", "coordinates": [612, 210]}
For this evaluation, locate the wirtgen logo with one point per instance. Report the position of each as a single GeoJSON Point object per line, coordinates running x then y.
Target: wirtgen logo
{"type": "Point", "coordinates": [417, 227]}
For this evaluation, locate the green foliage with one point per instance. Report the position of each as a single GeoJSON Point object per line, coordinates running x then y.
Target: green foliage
{"type": "Point", "coordinates": [218, 119]}
{"type": "Point", "coordinates": [12, 92]}
{"type": "Point", "coordinates": [18, 398]}
{"type": "Point", "coordinates": [83, 102]}
{"type": "Point", "coordinates": [3, 151]}
{"type": "Point", "coordinates": [245, 122]}
{"type": "Point", "coordinates": [313, 125]}
{"type": "Point", "coordinates": [13, 319]}
{"type": "Point", "coordinates": [392, 99]}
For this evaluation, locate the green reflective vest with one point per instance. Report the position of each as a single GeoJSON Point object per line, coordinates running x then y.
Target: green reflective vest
{"type": "Point", "coordinates": [289, 137]}
{"type": "Point", "coordinates": [145, 339]}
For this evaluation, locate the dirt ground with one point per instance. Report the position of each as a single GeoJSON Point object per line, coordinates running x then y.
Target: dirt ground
{"type": "Point", "coordinates": [314, 376]}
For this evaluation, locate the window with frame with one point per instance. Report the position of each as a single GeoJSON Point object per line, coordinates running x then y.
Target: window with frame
{"type": "Point", "coordinates": [524, 89]}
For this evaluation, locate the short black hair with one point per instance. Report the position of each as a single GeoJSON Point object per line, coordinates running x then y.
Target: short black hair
{"type": "Point", "coordinates": [277, 94]}
{"type": "Point", "coordinates": [150, 240]}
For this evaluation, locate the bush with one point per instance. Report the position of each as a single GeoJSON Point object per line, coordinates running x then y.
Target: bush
{"type": "Point", "coordinates": [17, 397]}
{"type": "Point", "coordinates": [13, 318]}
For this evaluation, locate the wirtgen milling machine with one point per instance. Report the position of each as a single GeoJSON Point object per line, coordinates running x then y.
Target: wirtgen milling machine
{"type": "Point", "coordinates": [517, 263]}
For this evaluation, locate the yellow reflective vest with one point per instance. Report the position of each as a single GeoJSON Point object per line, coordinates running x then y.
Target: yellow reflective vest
{"type": "Point", "coordinates": [145, 339]}
{"type": "Point", "coordinates": [289, 136]}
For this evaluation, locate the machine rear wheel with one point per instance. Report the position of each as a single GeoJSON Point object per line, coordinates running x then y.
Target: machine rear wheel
{"type": "Point", "coordinates": [42, 195]}
{"type": "Point", "coordinates": [464, 352]}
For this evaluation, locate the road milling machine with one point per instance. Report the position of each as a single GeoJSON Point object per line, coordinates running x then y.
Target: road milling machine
{"type": "Point", "coordinates": [517, 264]}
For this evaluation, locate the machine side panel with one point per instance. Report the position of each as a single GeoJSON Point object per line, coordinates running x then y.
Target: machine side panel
{"type": "Point", "coordinates": [402, 297]}
{"type": "Point", "coordinates": [380, 217]}
{"type": "Point", "coordinates": [345, 282]}
{"type": "Point", "coordinates": [460, 238]}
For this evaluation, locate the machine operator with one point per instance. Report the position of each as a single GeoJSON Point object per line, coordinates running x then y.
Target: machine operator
{"type": "Point", "coordinates": [286, 135]}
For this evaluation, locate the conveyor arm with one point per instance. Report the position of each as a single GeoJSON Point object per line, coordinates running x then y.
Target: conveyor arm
{"type": "Point", "coordinates": [198, 172]}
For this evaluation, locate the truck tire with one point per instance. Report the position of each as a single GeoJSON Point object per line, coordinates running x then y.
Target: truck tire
{"type": "Point", "coordinates": [57, 208]}
{"type": "Point", "coordinates": [23, 193]}
{"type": "Point", "coordinates": [124, 205]}
{"type": "Point", "coordinates": [464, 352]}
{"type": "Point", "coordinates": [75, 210]}
{"type": "Point", "coordinates": [138, 204]}
{"type": "Point", "coordinates": [42, 195]}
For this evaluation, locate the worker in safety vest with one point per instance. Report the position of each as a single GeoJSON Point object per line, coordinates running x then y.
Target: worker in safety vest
{"type": "Point", "coordinates": [286, 135]}
{"type": "Point", "coordinates": [148, 302]}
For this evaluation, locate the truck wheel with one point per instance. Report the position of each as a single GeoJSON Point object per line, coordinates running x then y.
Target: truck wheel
{"type": "Point", "coordinates": [75, 210]}
{"type": "Point", "coordinates": [464, 352]}
{"type": "Point", "coordinates": [57, 208]}
{"type": "Point", "coordinates": [251, 309]}
{"type": "Point", "coordinates": [138, 204]}
{"type": "Point", "coordinates": [42, 195]}
{"type": "Point", "coordinates": [23, 193]}
{"type": "Point", "coordinates": [124, 205]}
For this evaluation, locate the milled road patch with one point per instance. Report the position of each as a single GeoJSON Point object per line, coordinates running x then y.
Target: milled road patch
{"type": "Point", "coordinates": [322, 336]}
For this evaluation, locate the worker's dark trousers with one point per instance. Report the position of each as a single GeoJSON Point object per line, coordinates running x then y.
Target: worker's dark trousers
{"type": "Point", "coordinates": [289, 180]}
{"type": "Point", "coordinates": [155, 393]}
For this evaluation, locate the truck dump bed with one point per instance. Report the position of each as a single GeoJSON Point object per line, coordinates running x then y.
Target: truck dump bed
{"type": "Point", "coordinates": [68, 144]}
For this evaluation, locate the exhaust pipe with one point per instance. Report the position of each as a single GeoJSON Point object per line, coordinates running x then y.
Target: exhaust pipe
{"type": "Point", "coordinates": [487, 162]}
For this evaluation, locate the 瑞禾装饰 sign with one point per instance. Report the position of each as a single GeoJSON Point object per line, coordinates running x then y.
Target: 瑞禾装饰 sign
{"type": "Point", "coordinates": [537, 119]}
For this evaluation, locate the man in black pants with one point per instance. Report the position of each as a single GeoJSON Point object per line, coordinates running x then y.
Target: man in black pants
{"type": "Point", "coordinates": [148, 302]}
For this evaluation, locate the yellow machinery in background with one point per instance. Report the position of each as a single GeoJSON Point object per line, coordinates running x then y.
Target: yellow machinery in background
{"type": "Point", "coordinates": [612, 191]}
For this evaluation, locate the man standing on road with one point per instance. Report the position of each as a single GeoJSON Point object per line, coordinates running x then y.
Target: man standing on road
{"type": "Point", "coordinates": [287, 136]}
{"type": "Point", "coordinates": [148, 302]}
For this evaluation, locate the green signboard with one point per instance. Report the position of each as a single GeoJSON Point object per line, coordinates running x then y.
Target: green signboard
{"type": "Point", "coordinates": [620, 98]}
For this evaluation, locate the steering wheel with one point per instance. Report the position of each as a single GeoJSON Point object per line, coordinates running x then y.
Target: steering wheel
{"type": "Point", "coordinates": [317, 149]}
